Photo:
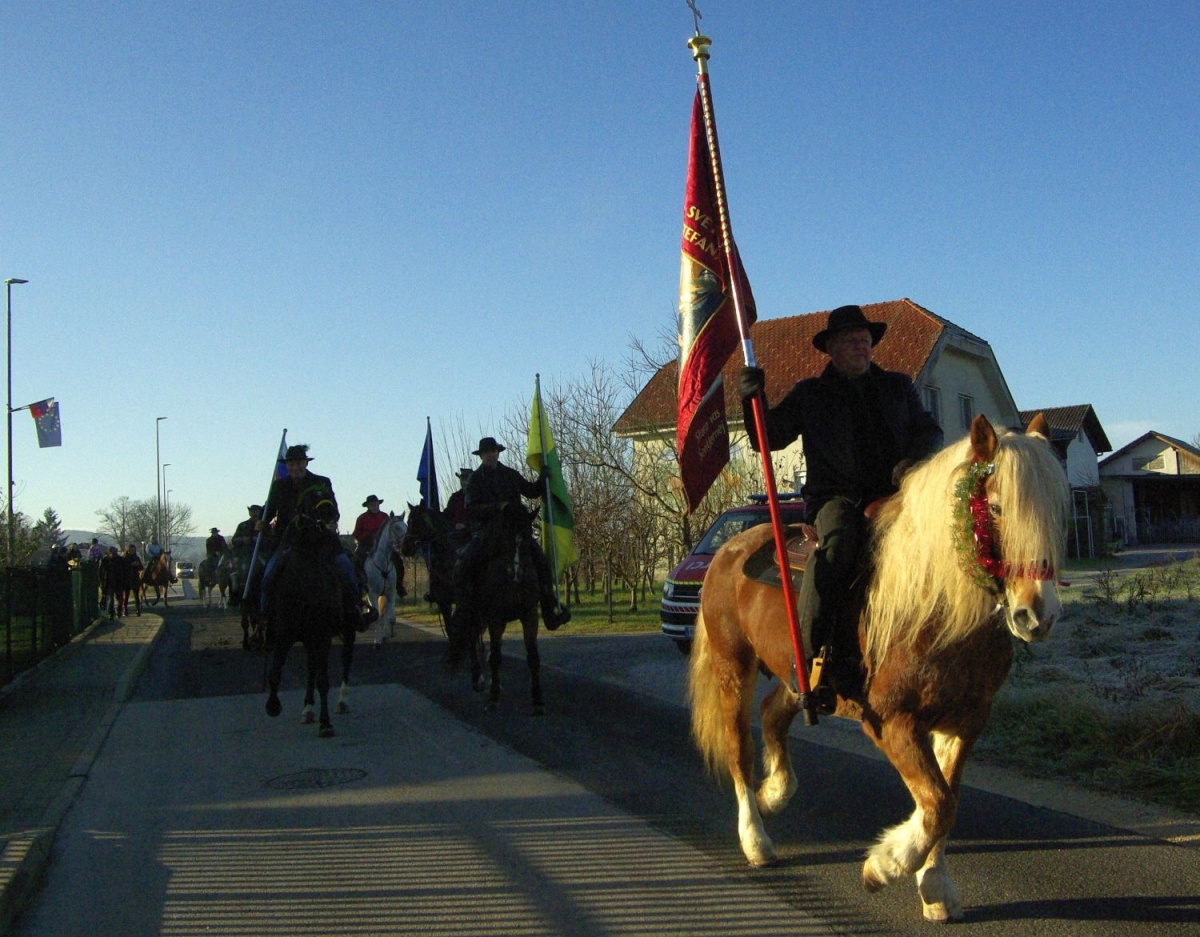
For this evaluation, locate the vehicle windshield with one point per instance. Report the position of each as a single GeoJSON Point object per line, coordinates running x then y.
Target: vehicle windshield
{"type": "Point", "coordinates": [733, 523]}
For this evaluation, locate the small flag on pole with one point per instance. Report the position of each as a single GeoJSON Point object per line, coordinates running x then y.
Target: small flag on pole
{"type": "Point", "coordinates": [45, 416]}
{"type": "Point", "coordinates": [280, 464]}
{"type": "Point", "coordinates": [708, 327]}
{"type": "Point", "coordinates": [558, 524]}
{"type": "Point", "coordinates": [427, 473]}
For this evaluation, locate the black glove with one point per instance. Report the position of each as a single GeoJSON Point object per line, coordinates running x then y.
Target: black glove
{"type": "Point", "coordinates": [543, 474]}
{"type": "Point", "coordinates": [750, 381]}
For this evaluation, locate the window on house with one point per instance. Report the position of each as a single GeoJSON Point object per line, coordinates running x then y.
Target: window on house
{"type": "Point", "coordinates": [933, 403]}
{"type": "Point", "coordinates": [1153, 464]}
{"type": "Point", "coordinates": [966, 410]}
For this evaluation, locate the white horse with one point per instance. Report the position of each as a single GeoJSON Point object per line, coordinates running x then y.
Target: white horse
{"type": "Point", "coordinates": [382, 574]}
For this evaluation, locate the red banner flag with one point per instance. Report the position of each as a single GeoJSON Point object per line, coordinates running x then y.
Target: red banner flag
{"type": "Point", "coordinates": [708, 328]}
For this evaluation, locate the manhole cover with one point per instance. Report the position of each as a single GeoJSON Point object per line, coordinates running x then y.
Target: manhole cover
{"type": "Point", "coordinates": [315, 777]}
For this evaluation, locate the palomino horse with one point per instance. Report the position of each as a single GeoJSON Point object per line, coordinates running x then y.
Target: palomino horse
{"type": "Point", "coordinates": [430, 529]}
{"type": "Point", "coordinates": [215, 572]}
{"type": "Point", "coordinates": [963, 557]}
{"type": "Point", "coordinates": [507, 589]}
{"type": "Point", "coordinates": [383, 568]}
{"type": "Point", "coordinates": [308, 609]}
{"type": "Point", "coordinates": [157, 576]}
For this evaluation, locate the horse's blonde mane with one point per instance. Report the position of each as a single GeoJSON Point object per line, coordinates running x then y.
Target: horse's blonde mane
{"type": "Point", "coordinates": [920, 586]}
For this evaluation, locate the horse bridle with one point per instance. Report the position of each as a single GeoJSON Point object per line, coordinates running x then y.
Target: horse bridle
{"type": "Point", "coordinates": [990, 569]}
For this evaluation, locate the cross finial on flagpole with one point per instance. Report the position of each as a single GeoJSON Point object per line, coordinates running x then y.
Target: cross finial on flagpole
{"type": "Point", "coordinates": [696, 14]}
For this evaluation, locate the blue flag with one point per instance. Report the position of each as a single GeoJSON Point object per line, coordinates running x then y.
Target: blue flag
{"type": "Point", "coordinates": [280, 464]}
{"type": "Point", "coordinates": [427, 473]}
{"type": "Point", "coordinates": [49, 429]}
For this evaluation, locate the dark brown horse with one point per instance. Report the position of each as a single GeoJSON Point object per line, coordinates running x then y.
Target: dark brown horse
{"type": "Point", "coordinates": [506, 590]}
{"type": "Point", "coordinates": [964, 559]}
{"type": "Point", "coordinates": [307, 609]}
{"type": "Point", "coordinates": [429, 531]}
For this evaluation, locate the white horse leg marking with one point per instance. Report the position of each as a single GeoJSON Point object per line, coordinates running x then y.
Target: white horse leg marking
{"type": "Point", "coordinates": [898, 852]}
{"type": "Point", "coordinates": [756, 844]}
{"type": "Point", "coordinates": [939, 897]}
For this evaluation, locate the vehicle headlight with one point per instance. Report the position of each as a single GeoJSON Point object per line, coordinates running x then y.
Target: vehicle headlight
{"type": "Point", "coordinates": [667, 590]}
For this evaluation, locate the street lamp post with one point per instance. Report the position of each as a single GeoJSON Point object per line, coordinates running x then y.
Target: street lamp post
{"type": "Point", "coordinates": [166, 533]}
{"type": "Point", "coordinates": [9, 491]}
{"type": "Point", "coordinates": [158, 484]}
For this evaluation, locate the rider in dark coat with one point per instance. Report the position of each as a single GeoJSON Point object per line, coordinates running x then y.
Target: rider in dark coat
{"type": "Point", "coordinates": [862, 428]}
{"type": "Point", "coordinates": [303, 493]}
{"type": "Point", "coordinates": [491, 488]}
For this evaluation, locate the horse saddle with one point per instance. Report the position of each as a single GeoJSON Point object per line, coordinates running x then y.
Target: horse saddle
{"type": "Point", "coordinates": [763, 566]}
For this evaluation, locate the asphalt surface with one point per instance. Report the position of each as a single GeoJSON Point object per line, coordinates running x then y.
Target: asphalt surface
{"type": "Point", "coordinates": [531, 850]}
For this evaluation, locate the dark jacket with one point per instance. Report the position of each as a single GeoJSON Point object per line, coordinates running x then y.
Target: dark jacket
{"type": "Point", "coordinates": [289, 498]}
{"type": "Point", "coordinates": [855, 432]}
{"type": "Point", "coordinates": [490, 489]}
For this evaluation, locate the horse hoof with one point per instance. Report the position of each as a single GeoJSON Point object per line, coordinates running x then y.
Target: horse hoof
{"type": "Point", "coordinates": [342, 708]}
{"type": "Point", "coordinates": [274, 707]}
{"type": "Point", "coordinates": [308, 719]}
{"type": "Point", "coordinates": [325, 732]}
{"type": "Point", "coordinates": [492, 706]}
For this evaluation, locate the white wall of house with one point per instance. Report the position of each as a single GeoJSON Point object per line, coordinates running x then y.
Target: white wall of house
{"type": "Point", "coordinates": [1083, 470]}
{"type": "Point", "coordinates": [963, 383]}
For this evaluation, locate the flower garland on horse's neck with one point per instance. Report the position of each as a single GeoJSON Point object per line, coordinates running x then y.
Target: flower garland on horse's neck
{"type": "Point", "coordinates": [974, 536]}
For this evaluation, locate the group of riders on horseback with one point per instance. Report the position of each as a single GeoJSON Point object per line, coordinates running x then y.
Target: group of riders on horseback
{"type": "Point", "coordinates": [303, 497]}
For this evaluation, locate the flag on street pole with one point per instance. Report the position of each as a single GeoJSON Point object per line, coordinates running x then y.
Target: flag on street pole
{"type": "Point", "coordinates": [708, 324]}
{"type": "Point", "coordinates": [45, 416]}
{"type": "Point", "coordinates": [427, 473]}
{"type": "Point", "coordinates": [558, 524]}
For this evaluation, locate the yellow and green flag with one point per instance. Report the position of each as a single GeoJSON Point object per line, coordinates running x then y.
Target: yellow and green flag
{"type": "Point", "coordinates": [558, 524]}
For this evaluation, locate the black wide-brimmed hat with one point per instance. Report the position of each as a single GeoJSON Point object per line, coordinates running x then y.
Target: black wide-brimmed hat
{"type": "Point", "coordinates": [296, 452]}
{"type": "Point", "coordinates": [215, 530]}
{"type": "Point", "coordinates": [488, 444]}
{"type": "Point", "coordinates": [848, 317]}
{"type": "Point", "coordinates": [370, 498]}
{"type": "Point", "coordinates": [464, 472]}
{"type": "Point", "coordinates": [254, 507]}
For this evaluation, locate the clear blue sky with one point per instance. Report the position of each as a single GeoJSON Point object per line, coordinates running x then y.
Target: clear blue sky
{"type": "Point", "coordinates": [341, 218]}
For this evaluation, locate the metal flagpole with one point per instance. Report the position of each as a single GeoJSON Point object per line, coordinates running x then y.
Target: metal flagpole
{"type": "Point", "coordinates": [699, 45]}
{"type": "Point", "coordinates": [258, 539]}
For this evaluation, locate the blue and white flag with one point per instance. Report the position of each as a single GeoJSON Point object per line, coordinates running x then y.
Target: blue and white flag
{"type": "Point", "coordinates": [49, 429]}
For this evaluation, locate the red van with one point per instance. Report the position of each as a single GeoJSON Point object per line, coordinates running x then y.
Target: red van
{"type": "Point", "coordinates": [681, 592]}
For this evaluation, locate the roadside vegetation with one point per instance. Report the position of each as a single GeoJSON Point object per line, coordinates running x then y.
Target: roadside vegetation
{"type": "Point", "coordinates": [1111, 701]}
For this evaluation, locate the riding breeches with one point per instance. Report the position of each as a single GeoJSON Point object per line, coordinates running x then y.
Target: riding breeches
{"type": "Point", "coordinates": [829, 576]}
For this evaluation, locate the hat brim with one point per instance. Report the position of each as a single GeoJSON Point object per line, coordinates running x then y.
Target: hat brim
{"type": "Point", "coordinates": [482, 451]}
{"type": "Point", "coordinates": [821, 339]}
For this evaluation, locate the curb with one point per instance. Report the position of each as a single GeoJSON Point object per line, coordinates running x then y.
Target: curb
{"type": "Point", "coordinates": [25, 857]}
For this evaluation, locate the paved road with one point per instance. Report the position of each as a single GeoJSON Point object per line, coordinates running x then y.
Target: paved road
{"type": "Point", "coordinates": [427, 815]}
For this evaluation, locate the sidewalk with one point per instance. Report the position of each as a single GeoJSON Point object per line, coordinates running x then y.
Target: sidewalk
{"type": "Point", "coordinates": [53, 721]}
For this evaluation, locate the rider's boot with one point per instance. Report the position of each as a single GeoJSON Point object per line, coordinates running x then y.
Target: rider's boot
{"type": "Point", "coordinates": [554, 614]}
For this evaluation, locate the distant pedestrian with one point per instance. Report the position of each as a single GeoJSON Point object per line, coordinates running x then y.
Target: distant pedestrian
{"type": "Point", "coordinates": [74, 555]}
{"type": "Point", "coordinates": [95, 550]}
{"type": "Point", "coordinates": [112, 582]}
{"type": "Point", "coordinates": [131, 569]}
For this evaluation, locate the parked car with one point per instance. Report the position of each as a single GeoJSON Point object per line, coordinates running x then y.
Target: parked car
{"type": "Point", "coordinates": [185, 569]}
{"type": "Point", "coordinates": [681, 592]}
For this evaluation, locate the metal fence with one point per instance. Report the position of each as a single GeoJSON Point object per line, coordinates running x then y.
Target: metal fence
{"type": "Point", "coordinates": [44, 609]}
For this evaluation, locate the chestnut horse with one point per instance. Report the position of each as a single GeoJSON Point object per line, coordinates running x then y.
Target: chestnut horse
{"type": "Point", "coordinates": [962, 557]}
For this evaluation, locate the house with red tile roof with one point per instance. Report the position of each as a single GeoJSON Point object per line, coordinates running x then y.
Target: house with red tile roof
{"type": "Point", "coordinates": [954, 371]}
{"type": "Point", "coordinates": [1153, 488]}
{"type": "Point", "coordinates": [1078, 438]}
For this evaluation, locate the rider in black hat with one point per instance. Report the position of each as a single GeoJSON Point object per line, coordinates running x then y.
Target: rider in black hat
{"type": "Point", "coordinates": [862, 428]}
{"type": "Point", "coordinates": [489, 489]}
{"type": "Point", "coordinates": [303, 493]}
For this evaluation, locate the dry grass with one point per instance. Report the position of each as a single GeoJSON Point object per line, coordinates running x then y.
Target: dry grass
{"type": "Point", "coordinates": [1112, 700]}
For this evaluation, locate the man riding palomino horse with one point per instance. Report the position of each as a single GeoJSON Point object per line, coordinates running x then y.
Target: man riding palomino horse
{"type": "Point", "coordinates": [863, 428]}
{"type": "Point", "coordinates": [490, 488]}
{"type": "Point", "coordinates": [301, 493]}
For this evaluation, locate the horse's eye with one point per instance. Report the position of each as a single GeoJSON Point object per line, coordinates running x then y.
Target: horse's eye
{"type": "Point", "coordinates": [994, 509]}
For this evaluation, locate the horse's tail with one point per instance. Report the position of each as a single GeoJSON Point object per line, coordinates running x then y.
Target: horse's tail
{"type": "Point", "coordinates": [704, 696]}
